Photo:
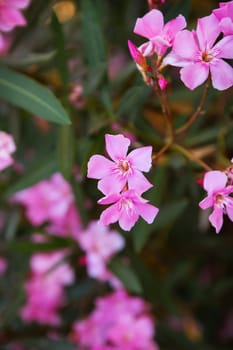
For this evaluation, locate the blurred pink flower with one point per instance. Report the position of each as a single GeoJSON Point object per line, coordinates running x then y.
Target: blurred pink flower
{"type": "Point", "coordinates": [124, 169]}
{"type": "Point", "coordinates": [126, 208]}
{"type": "Point", "coordinates": [128, 325]}
{"type": "Point", "coordinates": [225, 16]}
{"type": "Point", "coordinates": [45, 288]}
{"type": "Point", "coordinates": [161, 36]}
{"type": "Point", "coordinates": [51, 201]}
{"type": "Point", "coordinates": [10, 14]}
{"type": "Point", "coordinates": [199, 56]}
{"type": "Point", "coordinates": [7, 147]}
{"type": "Point", "coordinates": [218, 197]}
{"type": "Point", "coordinates": [76, 96]}
{"type": "Point", "coordinates": [100, 244]}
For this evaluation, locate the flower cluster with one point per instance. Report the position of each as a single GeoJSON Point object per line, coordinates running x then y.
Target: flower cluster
{"type": "Point", "coordinates": [122, 182]}
{"type": "Point", "coordinates": [128, 325]}
{"type": "Point", "coordinates": [51, 201]}
{"type": "Point", "coordinates": [7, 147]}
{"type": "Point", "coordinates": [219, 187]}
{"type": "Point", "coordinates": [100, 244]}
{"type": "Point", "coordinates": [11, 17]}
{"type": "Point", "coordinates": [200, 53]}
{"type": "Point", "coordinates": [45, 288]}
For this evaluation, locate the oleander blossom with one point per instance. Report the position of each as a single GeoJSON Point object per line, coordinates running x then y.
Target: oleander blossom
{"type": "Point", "coordinates": [225, 16]}
{"type": "Point", "coordinates": [119, 321]}
{"type": "Point", "coordinates": [160, 36]}
{"type": "Point", "coordinates": [113, 175]}
{"type": "Point", "coordinates": [100, 244]}
{"type": "Point", "coordinates": [219, 196]}
{"type": "Point", "coordinates": [51, 201]}
{"type": "Point", "coordinates": [44, 289]}
{"type": "Point", "coordinates": [11, 15]}
{"type": "Point", "coordinates": [126, 208]}
{"type": "Point", "coordinates": [7, 147]}
{"type": "Point", "coordinates": [199, 55]}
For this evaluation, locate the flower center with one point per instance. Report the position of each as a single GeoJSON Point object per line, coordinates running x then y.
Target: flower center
{"type": "Point", "coordinates": [124, 166]}
{"type": "Point", "coordinates": [127, 205]}
{"type": "Point", "coordinates": [206, 56]}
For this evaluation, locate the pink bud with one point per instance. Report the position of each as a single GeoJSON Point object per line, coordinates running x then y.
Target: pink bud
{"type": "Point", "coordinates": [136, 55]}
{"type": "Point", "coordinates": [162, 83]}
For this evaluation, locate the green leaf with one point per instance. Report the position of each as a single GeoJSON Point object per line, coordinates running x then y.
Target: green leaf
{"type": "Point", "coordinates": [127, 275]}
{"type": "Point", "coordinates": [95, 53]}
{"type": "Point", "coordinates": [181, 7]}
{"type": "Point", "coordinates": [30, 95]}
{"type": "Point", "coordinates": [65, 150]}
{"type": "Point", "coordinates": [61, 57]}
{"type": "Point", "coordinates": [20, 61]}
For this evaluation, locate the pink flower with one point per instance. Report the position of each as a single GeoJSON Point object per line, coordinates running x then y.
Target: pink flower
{"type": "Point", "coordinates": [126, 208]}
{"type": "Point", "coordinates": [100, 244]}
{"type": "Point", "coordinates": [123, 169]}
{"type": "Point", "coordinates": [10, 14]}
{"type": "Point", "coordinates": [218, 197]}
{"type": "Point", "coordinates": [199, 56]}
{"type": "Point", "coordinates": [160, 36]}
{"type": "Point", "coordinates": [51, 201]}
{"type": "Point", "coordinates": [45, 288]}
{"type": "Point", "coordinates": [225, 16]}
{"type": "Point", "coordinates": [7, 147]}
{"type": "Point", "coordinates": [128, 325]}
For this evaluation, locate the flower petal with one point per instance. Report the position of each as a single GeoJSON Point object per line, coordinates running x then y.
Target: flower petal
{"type": "Point", "coordinates": [206, 202]}
{"type": "Point", "coordinates": [109, 199]}
{"type": "Point", "coordinates": [112, 183]}
{"type": "Point", "coordinates": [139, 182]}
{"type": "Point", "coordinates": [141, 158]}
{"type": "Point", "coordinates": [98, 167]}
{"type": "Point", "coordinates": [188, 51]}
{"type": "Point", "coordinates": [225, 47]}
{"type": "Point", "coordinates": [214, 181]}
{"type": "Point", "coordinates": [10, 18]}
{"type": "Point", "coordinates": [128, 220]}
{"type": "Point", "coordinates": [117, 146]}
{"type": "Point", "coordinates": [147, 211]}
{"type": "Point", "coordinates": [221, 74]}
{"type": "Point", "coordinates": [149, 25]}
{"type": "Point", "coordinates": [172, 27]}
{"type": "Point", "coordinates": [194, 74]}
{"type": "Point", "coordinates": [207, 31]}
{"type": "Point", "coordinates": [110, 215]}
{"type": "Point", "coordinates": [216, 218]}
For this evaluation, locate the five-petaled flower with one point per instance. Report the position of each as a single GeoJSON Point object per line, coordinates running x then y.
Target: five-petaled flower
{"type": "Point", "coordinates": [199, 56]}
{"type": "Point", "coordinates": [218, 196]}
{"type": "Point", "coordinates": [123, 169]}
{"type": "Point", "coordinates": [122, 182]}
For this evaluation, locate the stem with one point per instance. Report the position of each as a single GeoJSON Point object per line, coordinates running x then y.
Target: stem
{"type": "Point", "coordinates": [156, 156]}
{"type": "Point", "coordinates": [190, 155]}
{"type": "Point", "coordinates": [197, 112]}
{"type": "Point", "coordinates": [165, 109]}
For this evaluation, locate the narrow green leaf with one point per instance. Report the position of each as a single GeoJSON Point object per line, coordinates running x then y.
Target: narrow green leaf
{"type": "Point", "coordinates": [127, 275]}
{"type": "Point", "coordinates": [65, 150]}
{"type": "Point", "coordinates": [61, 57]}
{"type": "Point", "coordinates": [26, 93]}
{"type": "Point", "coordinates": [29, 60]}
{"type": "Point", "coordinates": [95, 53]}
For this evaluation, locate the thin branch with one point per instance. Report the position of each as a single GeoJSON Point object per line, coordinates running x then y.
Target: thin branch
{"type": "Point", "coordinates": [197, 113]}
{"type": "Point", "coordinates": [191, 156]}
